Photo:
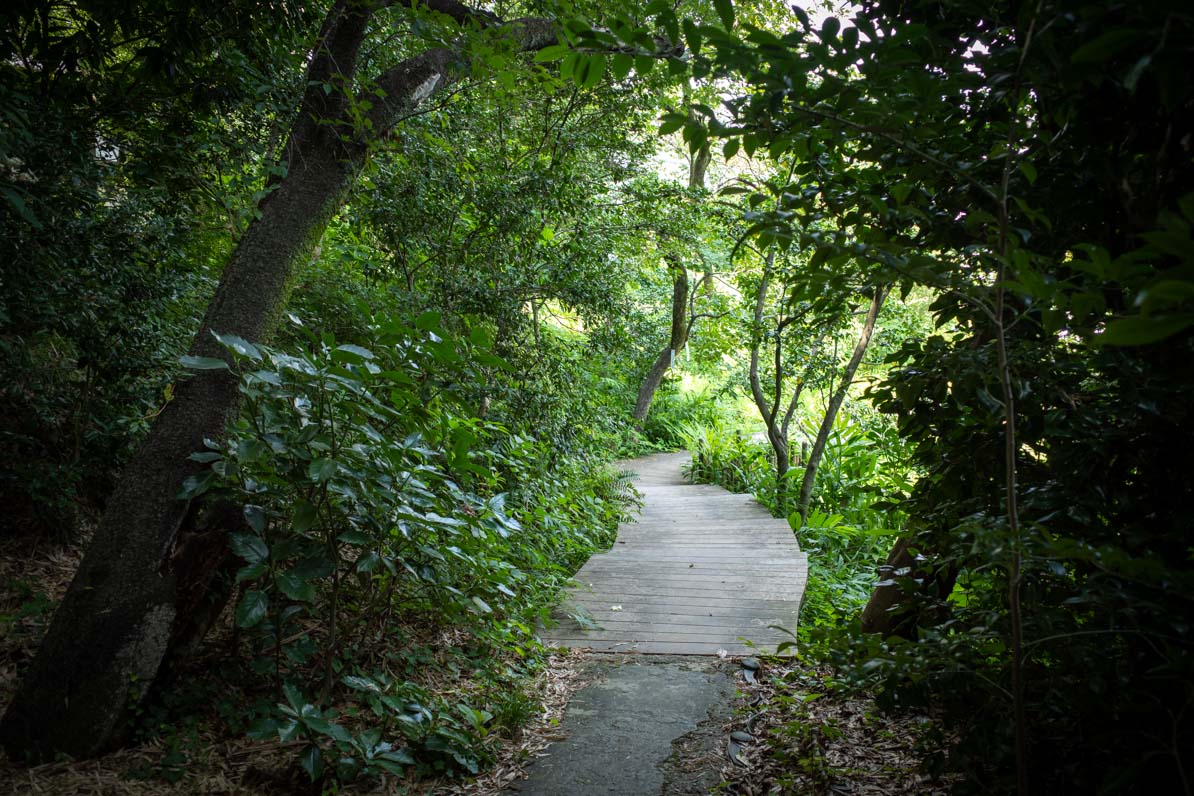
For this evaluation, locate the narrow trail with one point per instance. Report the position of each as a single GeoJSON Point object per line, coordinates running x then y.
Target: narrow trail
{"type": "Point", "coordinates": [701, 573]}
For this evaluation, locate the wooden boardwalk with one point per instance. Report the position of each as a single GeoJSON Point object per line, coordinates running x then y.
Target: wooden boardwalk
{"type": "Point", "coordinates": [701, 571]}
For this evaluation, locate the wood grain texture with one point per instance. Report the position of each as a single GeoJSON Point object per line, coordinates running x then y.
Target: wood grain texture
{"type": "Point", "coordinates": [701, 571]}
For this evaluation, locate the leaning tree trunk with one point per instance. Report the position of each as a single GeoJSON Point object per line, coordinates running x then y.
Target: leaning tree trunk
{"type": "Point", "coordinates": [836, 400]}
{"type": "Point", "coordinates": [676, 343]}
{"type": "Point", "coordinates": [697, 166]}
{"type": "Point", "coordinates": [109, 637]}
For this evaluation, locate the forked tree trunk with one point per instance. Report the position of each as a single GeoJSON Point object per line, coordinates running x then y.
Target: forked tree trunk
{"type": "Point", "coordinates": [109, 637]}
{"type": "Point", "coordinates": [836, 400]}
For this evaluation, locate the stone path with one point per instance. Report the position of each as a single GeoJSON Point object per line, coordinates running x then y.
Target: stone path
{"type": "Point", "coordinates": [701, 572]}
{"type": "Point", "coordinates": [621, 729]}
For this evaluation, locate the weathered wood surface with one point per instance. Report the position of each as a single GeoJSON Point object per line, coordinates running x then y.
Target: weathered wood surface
{"type": "Point", "coordinates": [701, 571]}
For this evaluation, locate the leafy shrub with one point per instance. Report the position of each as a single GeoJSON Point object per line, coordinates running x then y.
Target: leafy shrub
{"type": "Point", "coordinates": [374, 496]}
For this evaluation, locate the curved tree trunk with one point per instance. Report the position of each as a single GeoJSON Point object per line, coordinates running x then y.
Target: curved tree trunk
{"type": "Point", "coordinates": [697, 166]}
{"type": "Point", "coordinates": [108, 639]}
{"type": "Point", "coordinates": [838, 397]}
{"type": "Point", "coordinates": [676, 342]}
{"type": "Point", "coordinates": [878, 615]}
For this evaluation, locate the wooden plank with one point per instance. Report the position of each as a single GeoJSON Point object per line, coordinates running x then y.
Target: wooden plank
{"type": "Point", "coordinates": [756, 590]}
{"type": "Point", "coordinates": [669, 647]}
{"type": "Point", "coordinates": [641, 601]}
{"type": "Point", "coordinates": [688, 613]}
{"type": "Point", "coordinates": [700, 569]}
{"type": "Point", "coordinates": [637, 621]}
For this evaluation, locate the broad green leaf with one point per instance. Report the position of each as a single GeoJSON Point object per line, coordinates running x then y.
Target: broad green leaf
{"type": "Point", "coordinates": [305, 516]}
{"type": "Point", "coordinates": [322, 469]}
{"type": "Point", "coordinates": [591, 71]}
{"type": "Point", "coordinates": [252, 608]}
{"type": "Point", "coordinates": [239, 345]}
{"type": "Point", "coordinates": [202, 363]}
{"type": "Point", "coordinates": [1105, 46]}
{"type": "Point", "coordinates": [314, 567]}
{"type": "Point", "coordinates": [725, 10]}
{"type": "Point", "coordinates": [311, 760]}
{"type": "Point", "coordinates": [361, 683]}
{"type": "Point", "coordinates": [251, 572]}
{"type": "Point", "coordinates": [829, 28]}
{"type": "Point", "coordinates": [428, 321]}
{"type": "Point", "coordinates": [250, 547]}
{"type": "Point", "coordinates": [295, 587]}
{"type": "Point", "coordinates": [1142, 331]}
{"type": "Point", "coordinates": [351, 353]}
{"type": "Point", "coordinates": [620, 65]}
{"type": "Point", "coordinates": [555, 52]}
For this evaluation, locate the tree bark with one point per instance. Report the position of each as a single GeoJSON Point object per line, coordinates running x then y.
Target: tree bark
{"type": "Point", "coordinates": [697, 165]}
{"type": "Point", "coordinates": [676, 342]}
{"type": "Point", "coordinates": [835, 402]}
{"type": "Point", "coordinates": [108, 639]}
{"type": "Point", "coordinates": [877, 616]}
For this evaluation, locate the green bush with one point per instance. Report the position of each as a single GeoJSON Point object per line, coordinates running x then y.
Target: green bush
{"type": "Point", "coordinates": [374, 497]}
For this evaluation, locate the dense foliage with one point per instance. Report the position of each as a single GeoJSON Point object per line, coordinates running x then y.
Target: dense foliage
{"type": "Point", "coordinates": [420, 455]}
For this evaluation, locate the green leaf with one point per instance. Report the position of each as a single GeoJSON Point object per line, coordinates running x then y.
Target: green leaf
{"type": "Point", "coordinates": [360, 683]}
{"type": "Point", "coordinates": [311, 760]}
{"type": "Point", "coordinates": [351, 353]}
{"type": "Point", "coordinates": [322, 469]}
{"type": "Point", "coordinates": [1028, 170]}
{"type": "Point", "coordinates": [829, 28]}
{"type": "Point", "coordinates": [304, 516]}
{"type": "Point", "coordinates": [251, 572]}
{"type": "Point", "coordinates": [482, 605]}
{"type": "Point", "coordinates": [620, 65]}
{"type": "Point", "coordinates": [643, 64]}
{"type": "Point", "coordinates": [202, 363]}
{"type": "Point", "coordinates": [671, 123]}
{"type": "Point", "coordinates": [238, 345]}
{"type": "Point", "coordinates": [368, 562]}
{"type": "Point", "coordinates": [555, 52]}
{"type": "Point", "coordinates": [725, 10]}
{"type": "Point", "coordinates": [314, 567]}
{"type": "Point", "coordinates": [731, 148]}
{"type": "Point", "coordinates": [692, 34]}
{"type": "Point", "coordinates": [295, 587]}
{"type": "Point", "coordinates": [249, 547]}
{"type": "Point", "coordinates": [428, 321]}
{"type": "Point", "coordinates": [1142, 331]}
{"type": "Point", "coordinates": [1105, 46]}
{"type": "Point", "coordinates": [252, 609]}
{"type": "Point", "coordinates": [250, 450]}
{"type": "Point", "coordinates": [591, 71]}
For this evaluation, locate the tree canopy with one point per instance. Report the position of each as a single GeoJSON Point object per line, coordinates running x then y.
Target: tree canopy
{"type": "Point", "coordinates": [323, 325]}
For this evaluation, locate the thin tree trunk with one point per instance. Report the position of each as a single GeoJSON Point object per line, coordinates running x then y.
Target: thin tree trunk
{"type": "Point", "coordinates": [697, 165]}
{"type": "Point", "coordinates": [838, 397]}
{"type": "Point", "coordinates": [769, 407]}
{"type": "Point", "coordinates": [108, 639]}
{"type": "Point", "coordinates": [676, 342]}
